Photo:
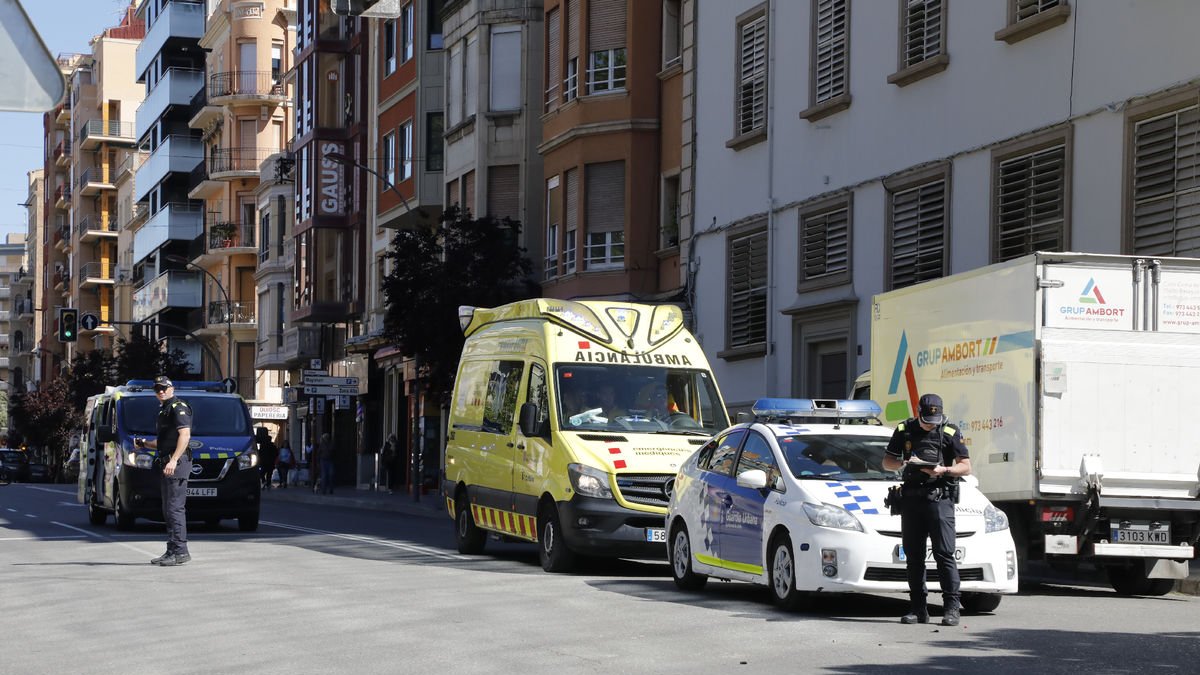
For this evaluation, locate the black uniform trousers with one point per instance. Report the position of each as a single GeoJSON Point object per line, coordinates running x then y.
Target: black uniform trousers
{"type": "Point", "coordinates": [174, 503]}
{"type": "Point", "coordinates": [922, 517]}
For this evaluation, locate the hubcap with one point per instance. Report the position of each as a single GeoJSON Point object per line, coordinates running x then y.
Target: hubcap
{"type": "Point", "coordinates": [681, 553]}
{"type": "Point", "coordinates": [781, 572]}
{"type": "Point", "coordinates": [462, 523]}
{"type": "Point", "coordinates": [548, 537]}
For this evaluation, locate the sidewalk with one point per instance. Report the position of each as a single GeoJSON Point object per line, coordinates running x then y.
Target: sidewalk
{"type": "Point", "coordinates": [429, 506]}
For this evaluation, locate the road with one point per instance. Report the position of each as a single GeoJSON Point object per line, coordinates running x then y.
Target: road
{"type": "Point", "coordinates": [322, 589]}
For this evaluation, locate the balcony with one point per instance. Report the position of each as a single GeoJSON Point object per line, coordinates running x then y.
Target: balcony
{"type": "Point", "coordinates": [62, 114]}
{"type": "Point", "coordinates": [93, 180]}
{"type": "Point", "coordinates": [171, 289]}
{"type": "Point", "coordinates": [98, 273]}
{"type": "Point", "coordinates": [238, 314]}
{"type": "Point", "coordinates": [63, 159]}
{"type": "Point", "coordinates": [23, 308]}
{"type": "Point", "coordinates": [175, 221]}
{"type": "Point", "coordinates": [176, 88]}
{"type": "Point", "coordinates": [95, 227]}
{"type": "Point", "coordinates": [58, 151]}
{"type": "Point", "coordinates": [4, 359]}
{"type": "Point", "coordinates": [301, 343]}
{"type": "Point", "coordinates": [62, 235]}
{"type": "Point", "coordinates": [201, 185]}
{"type": "Point", "coordinates": [179, 20]}
{"type": "Point", "coordinates": [62, 197]}
{"type": "Point", "coordinates": [62, 280]}
{"type": "Point", "coordinates": [5, 292]}
{"type": "Point", "coordinates": [95, 132]}
{"type": "Point", "coordinates": [236, 163]}
{"type": "Point", "coordinates": [174, 154]}
{"type": "Point", "coordinates": [254, 86]}
{"type": "Point", "coordinates": [129, 165]}
{"type": "Point", "coordinates": [204, 112]}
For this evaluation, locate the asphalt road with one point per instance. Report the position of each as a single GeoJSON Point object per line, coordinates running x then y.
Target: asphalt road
{"type": "Point", "coordinates": [322, 589]}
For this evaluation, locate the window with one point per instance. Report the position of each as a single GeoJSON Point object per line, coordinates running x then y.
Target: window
{"type": "Point", "coordinates": [825, 243]}
{"type": "Point", "coordinates": [606, 42]}
{"type": "Point", "coordinates": [388, 158]}
{"type": "Point", "coordinates": [280, 322]}
{"type": "Point", "coordinates": [672, 37]}
{"type": "Point", "coordinates": [406, 150]}
{"type": "Point", "coordinates": [433, 13]}
{"type": "Point", "coordinates": [1030, 198]}
{"type": "Point", "coordinates": [757, 455]}
{"type": "Point", "coordinates": [571, 178]}
{"type": "Point", "coordinates": [551, 268]}
{"type": "Point", "coordinates": [504, 82]}
{"type": "Point", "coordinates": [725, 455]}
{"type": "Point", "coordinates": [264, 242]}
{"type": "Point", "coordinates": [406, 33]}
{"type": "Point", "coordinates": [922, 41]}
{"type": "Point", "coordinates": [389, 47]}
{"type": "Point", "coordinates": [501, 399]}
{"type": "Point", "coordinates": [1165, 189]}
{"type": "Point", "coordinates": [553, 57]}
{"type": "Point", "coordinates": [605, 212]}
{"type": "Point", "coordinates": [1027, 18]}
{"type": "Point", "coordinates": [471, 77]}
{"type": "Point", "coordinates": [830, 57]}
{"type": "Point", "coordinates": [539, 396]}
{"type": "Point", "coordinates": [571, 75]}
{"type": "Point", "coordinates": [668, 231]}
{"type": "Point", "coordinates": [918, 228]}
{"type": "Point", "coordinates": [435, 149]}
{"type": "Point", "coordinates": [747, 290]}
{"type": "Point", "coordinates": [752, 74]}
{"type": "Point", "coordinates": [553, 220]}
{"type": "Point", "coordinates": [504, 191]}
{"type": "Point", "coordinates": [276, 61]}
{"type": "Point", "coordinates": [454, 88]}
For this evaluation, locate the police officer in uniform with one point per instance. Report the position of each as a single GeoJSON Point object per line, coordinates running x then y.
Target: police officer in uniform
{"type": "Point", "coordinates": [938, 460]}
{"type": "Point", "coordinates": [174, 431]}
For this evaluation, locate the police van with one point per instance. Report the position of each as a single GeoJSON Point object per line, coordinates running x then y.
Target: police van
{"type": "Point", "coordinates": [568, 423]}
{"type": "Point", "coordinates": [118, 478]}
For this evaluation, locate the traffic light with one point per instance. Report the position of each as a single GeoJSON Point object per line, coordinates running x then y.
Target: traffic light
{"type": "Point", "coordinates": [68, 324]}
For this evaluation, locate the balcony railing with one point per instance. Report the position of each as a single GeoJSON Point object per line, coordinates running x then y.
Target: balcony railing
{"type": "Point", "coordinates": [254, 83]}
{"type": "Point", "coordinates": [223, 235]}
{"type": "Point", "coordinates": [109, 129]}
{"type": "Point", "coordinates": [62, 193]}
{"type": "Point", "coordinates": [95, 223]}
{"type": "Point", "coordinates": [63, 232]}
{"type": "Point", "coordinates": [178, 19]}
{"type": "Point", "coordinates": [96, 270]}
{"type": "Point", "coordinates": [93, 174]}
{"type": "Point", "coordinates": [240, 160]}
{"type": "Point", "coordinates": [221, 313]}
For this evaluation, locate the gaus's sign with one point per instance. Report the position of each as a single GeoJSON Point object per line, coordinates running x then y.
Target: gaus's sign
{"type": "Point", "coordinates": [329, 181]}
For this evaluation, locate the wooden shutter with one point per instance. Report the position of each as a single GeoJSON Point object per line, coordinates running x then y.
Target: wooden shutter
{"type": "Point", "coordinates": [553, 58]}
{"type": "Point", "coordinates": [573, 20]}
{"type": "Point", "coordinates": [830, 48]}
{"type": "Point", "coordinates": [605, 195]}
{"type": "Point", "coordinates": [468, 182]}
{"type": "Point", "coordinates": [606, 25]}
{"type": "Point", "coordinates": [572, 197]}
{"type": "Point", "coordinates": [747, 289]}
{"type": "Point", "coordinates": [1031, 204]}
{"type": "Point", "coordinates": [1166, 184]}
{"type": "Point", "coordinates": [826, 246]}
{"type": "Point", "coordinates": [922, 31]}
{"type": "Point", "coordinates": [504, 191]}
{"type": "Point", "coordinates": [918, 234]}
{"type": "Point", "coordinates": [752, 92]}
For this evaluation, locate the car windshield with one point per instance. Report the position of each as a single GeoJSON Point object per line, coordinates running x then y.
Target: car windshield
{"type": "Point", "coordinates": [211, 415]}
{"type": "Point", "coordinates": [651, 399]}
{"type": "Point", "coordinates": [13, 456]}
{"type": "Point", "coordinates": [837, 456]}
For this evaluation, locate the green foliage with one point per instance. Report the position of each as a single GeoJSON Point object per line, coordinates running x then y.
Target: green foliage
{"type": "Point", "coordinates": [90, 373]}
{"type": "Point", "coordinates": [140, 359]}
{"type": "Point", "coordinates": [45, 417]}
{"type": "Point", "coordinates": [465, 261]}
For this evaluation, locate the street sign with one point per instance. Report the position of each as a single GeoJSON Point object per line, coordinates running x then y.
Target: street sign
{"type": "Point", "coordinates": [89, 321]}
{"type": "Point", "coordinates": [327, 381]}
{"type": "Point", "coordinates": [313, 373]}
{"type": "Point", "coordinates": [330, 391]}
{"type": "Point", "coordinates": [315, 364]}
{"type": "Point", "coordinates": [343, 402]}
{"type": "Point", "coordinates": [291, 395]}
{"type": "Point", "coordinates": [320, 405]}
{"type": "Point", "coordinates": [230, 385]}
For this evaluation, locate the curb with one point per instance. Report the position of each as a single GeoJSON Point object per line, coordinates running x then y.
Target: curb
{"type": "Point", "coordinates": [430, 506]}
{"type": "Point", "coordinates": [1189, 586]}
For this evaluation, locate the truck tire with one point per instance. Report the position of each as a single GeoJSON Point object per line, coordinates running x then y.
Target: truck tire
{"type": "Point", "coordinates": [467, 535]}
{"type": "Point", "coordinates": [679, 554]}
{"type": "Point", "coordinates": [121, 514]}
{"type": "Point", "coordinates": [552, 548]}
{"type": "Point", "coordinates": [1130, 580]}
{"type": "Point", "coordinates": [976, 603]}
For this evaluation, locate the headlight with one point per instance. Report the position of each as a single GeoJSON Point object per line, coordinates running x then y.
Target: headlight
{"type": "Point", "coordinates": [828, 515]}
{"type": "Point", "coordinates": [138, 460]}
{"type": "Point", "coordinates": [248, 460]}
{"type": "Point", "coordinates": [994, 519]}
{"type": "Point", "coordinates": [589, 482]}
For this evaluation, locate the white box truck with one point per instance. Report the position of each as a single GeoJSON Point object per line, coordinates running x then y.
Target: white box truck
{"type": "Point", "coordinates": [1075, 379]}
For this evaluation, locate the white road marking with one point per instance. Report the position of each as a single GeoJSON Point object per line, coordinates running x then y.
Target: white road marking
{"type": "Point", "coordinates": [46, 489]}
{"type": "Point", "coordinates": [86, 533]}
{"type": "Point", "coordinates": [412, 548]}
{"type": "Point", "coordinates": [65, 536]}
{"type": "Point", "coordinates": [30, 515]}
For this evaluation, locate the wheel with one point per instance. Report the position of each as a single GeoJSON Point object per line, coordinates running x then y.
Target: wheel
{"type": "Point", "coordinates": [121, 514]}
{"type": "Point", "coordinates": [553, 552]}
{"type": "Point", "coordinates": [96, 515]}
{"type": "Point", "coordinates": [1132, 581]}
{"type": "Point", "coordinates": [783, 576]}
{"type": "Point", "coordinates": [247, 522]}
{"type": "Point", "coordinates": [975, 603]}
{"type": "Point", "coordinates": [680, 553]}
{"type": "Point", "coordinates": [469, 537]}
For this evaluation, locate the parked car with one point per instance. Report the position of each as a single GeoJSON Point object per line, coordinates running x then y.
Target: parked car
{"type": "Point", "coordinates": [39, 472]}
{"type": "Point", "coordinates": [14, 465]}
{"type": "Point", "coordinates": [794, 500]}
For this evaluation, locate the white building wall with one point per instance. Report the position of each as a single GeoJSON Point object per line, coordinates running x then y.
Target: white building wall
{"type": "Point", "coordinates": [1085, 73]}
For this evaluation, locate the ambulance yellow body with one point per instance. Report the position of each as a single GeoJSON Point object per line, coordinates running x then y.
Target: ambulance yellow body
{"type": "Point", "coordinates": [568, 423]}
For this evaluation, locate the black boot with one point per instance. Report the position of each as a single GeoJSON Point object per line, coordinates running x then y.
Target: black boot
{"type": "Point", "coordinates": [950, 615]}
{"type": "Point", "coordinates": [916, 616]}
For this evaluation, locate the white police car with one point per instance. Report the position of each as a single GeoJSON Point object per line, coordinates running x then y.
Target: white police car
{"type": "Point", "coordinates": [794, 501]}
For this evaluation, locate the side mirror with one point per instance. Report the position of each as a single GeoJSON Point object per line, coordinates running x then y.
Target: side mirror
{"type": "Point", "coordinates": [754, 478]}
{"type": "Point", "coordinates": [528, 420]}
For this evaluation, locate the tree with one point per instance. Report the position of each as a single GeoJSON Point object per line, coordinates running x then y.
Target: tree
{"type": "Point", "coordinates": [90, 373]}
{"type": "Point", "coordinates": [465, 261]}
{"type": "Point", "coordinates": [141, 359]}
{"type": "Point", "coordinates": [46, 417]}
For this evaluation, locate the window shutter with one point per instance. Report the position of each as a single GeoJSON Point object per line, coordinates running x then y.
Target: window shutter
{"type": "Point", "coordinates": [504, 196]}
{"type": "Point", "coordinates": [922, 30]}
{"type": "Point", "coordinates": [752, 94]}
{"type": "Point", "coordinates": [830, 49]}
{"type": "Point", "coordinates": [452, 197]}
{"type": "Point", "coordinates": [826, 245]}
{"type": "Point", "coordinates": [918, 234]}
{"type": "Point", "coordinates": [605, 195]}
{"type": "Point", "coordinates": [606, 25]}
{"type": "Point", "coordinates": [1166, 185]}
{"type": "Point", "coordinates": [1031, 196]}
{"type": "Point", "coordinates": [572, 196]}
{"type": "Point", "coordinates": [748, 289]}
{"type": "Point", "coordinates": [468, 182]}
{"type": "Point", "coordinates": [1028, 8]}
{"type": "Point", "coordinates": [553, 58]}
{"type": "Point", "coordinates": [573, 20]}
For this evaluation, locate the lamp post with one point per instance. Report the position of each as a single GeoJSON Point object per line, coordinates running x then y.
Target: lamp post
{"type": "Point", "coordinates": [228, 310]}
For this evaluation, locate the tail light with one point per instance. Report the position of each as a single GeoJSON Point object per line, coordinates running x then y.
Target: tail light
{"type": "Point", "coordinates": [1056, 514]}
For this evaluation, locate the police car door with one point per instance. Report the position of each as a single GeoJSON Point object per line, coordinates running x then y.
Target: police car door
{"type": "Point", "coordinates": [718, 493]}
{"type": "Point", "coordinates": [742, 532]}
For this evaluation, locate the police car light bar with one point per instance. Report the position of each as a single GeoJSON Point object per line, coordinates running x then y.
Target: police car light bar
{"type": "Point", "coordinates": [818, 407]}
{"type": "Point", "coordinates": [182, 385]}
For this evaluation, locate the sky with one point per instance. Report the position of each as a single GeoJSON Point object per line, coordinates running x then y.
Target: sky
{"type": "Point", "coordinates": [66, 26]}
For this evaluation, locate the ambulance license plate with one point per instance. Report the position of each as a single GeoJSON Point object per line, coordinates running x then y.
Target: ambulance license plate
{"type": "Point", "coordinates": [960, 552]}
{"type": "Point", "coordinates": [202, 492]}
{"type": "Point", "coordinates": [656, 535]}
{"type": "Point", "coordinates": [1139, 532]}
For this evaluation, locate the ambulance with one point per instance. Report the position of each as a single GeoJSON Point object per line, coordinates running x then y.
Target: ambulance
{"type": "Point", "coordinates": [568, 423]}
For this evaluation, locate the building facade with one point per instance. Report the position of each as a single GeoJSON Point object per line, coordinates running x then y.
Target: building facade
{"type": "Point", "coordinates": [12, 267]}
{"type": "Point", "coordinates": [25, 326]}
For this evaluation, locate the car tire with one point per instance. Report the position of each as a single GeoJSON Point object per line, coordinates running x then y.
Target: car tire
{"type": "Point", "coordinates": [467, 535]}
{"type": "Point", "coordinates": [679, 554]}
{"type": "Point", "coordinates": [247, 522]}
{"type": "Point", "coordinates": [96, 515]}
{"type": "Point", "coordinates": [552, 548]}
{"type": "Point", "coordinates": [1129, 580]}
{"type": "Point", "coordinates": [977, 603]}
{"type": "Point", "coordinates": [782, 576]}
{"type": "Point", "coordinates": [121, 514]}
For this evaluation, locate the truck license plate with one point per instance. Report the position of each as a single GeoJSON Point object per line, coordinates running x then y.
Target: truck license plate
{"type": "Point", "coordinates": [1139, 532]}
{"type": "Point", "coordinates": [656, 535]}
{"type": "Point", "coordinates": [202, 492]}
{"type": "Point", "coordinates": [960, 552]}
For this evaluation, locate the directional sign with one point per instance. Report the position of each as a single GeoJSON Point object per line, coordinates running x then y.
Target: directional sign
{"type": "Point", "coordinates": [330, 391]}
{"type": "Point", "coordinates": [343, 402]}
{"type": "Point", "coordinates": [327, 381]}
{"type": "Point", "coordinates": [313, 373]}
{"type": "Point", "coordinates": [88, 321]}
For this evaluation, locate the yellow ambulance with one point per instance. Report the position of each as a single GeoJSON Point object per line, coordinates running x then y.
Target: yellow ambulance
{"type": "Point", "coordinates": [568, 423]}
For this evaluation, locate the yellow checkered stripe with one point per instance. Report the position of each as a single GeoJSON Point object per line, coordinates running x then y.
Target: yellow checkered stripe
{"type": "Point", "coordinates": [213, 455]}
{"type": "Point", "coordinates": [507, 522]}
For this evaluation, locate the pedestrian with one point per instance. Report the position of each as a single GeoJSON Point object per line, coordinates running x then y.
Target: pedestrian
{"type": "Point", "coordinates": [387, 460]}
{"type": "Point", "coordinates": [934, 458]}
{"type": "Point", "coordinates": [266, 456]}
{"type": "Point", "coordinates": [325, 457]}
{"type": "Point", "coordinates": [284, 463]}
{"type": "Point", "coordinates": [173, 432]}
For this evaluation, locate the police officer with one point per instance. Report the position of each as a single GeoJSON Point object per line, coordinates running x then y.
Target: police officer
{"type": "Point", "coordinates": [934, 457]}
{"type": "Point", "coordinates": [174, 431]}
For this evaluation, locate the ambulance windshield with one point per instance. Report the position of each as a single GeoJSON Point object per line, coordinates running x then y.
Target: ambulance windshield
{"type": "Point", "coordinates": [652, 399]}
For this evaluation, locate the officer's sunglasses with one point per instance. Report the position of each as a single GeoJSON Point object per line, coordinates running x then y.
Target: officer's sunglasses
{"type": "Point", "coordinates": [159, 390]}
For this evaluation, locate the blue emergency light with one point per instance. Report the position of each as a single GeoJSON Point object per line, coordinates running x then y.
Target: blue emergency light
{"type": "Point", "coordinates": [789, 408]}
{"type": "Point", "coordinates": [182, 385]}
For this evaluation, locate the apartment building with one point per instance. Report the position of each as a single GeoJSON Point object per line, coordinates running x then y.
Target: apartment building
{"type": "Point", "coordinates": [25, 323]}
{"type": "Point", "coordinates": [12, 265]}
{"type": "Point", "coordinates": [612, 149]}
{"type": "Point", "coordinates": [896, 147]}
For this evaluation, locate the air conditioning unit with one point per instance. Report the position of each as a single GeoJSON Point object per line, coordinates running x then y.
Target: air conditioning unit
{"type": "Point", "coordinates": [122, 274]}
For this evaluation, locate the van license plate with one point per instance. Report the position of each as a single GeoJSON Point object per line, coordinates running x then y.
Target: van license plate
{"type": "Point", "coordinates": [1139, 532]}
{"type": "Point", "coordinates": [656, 535]}
{"type": "Point", "coordinates": [202, 492]}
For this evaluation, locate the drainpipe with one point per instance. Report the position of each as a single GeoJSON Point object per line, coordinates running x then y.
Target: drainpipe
{"type": "Point", "coordinates": [770, 372]}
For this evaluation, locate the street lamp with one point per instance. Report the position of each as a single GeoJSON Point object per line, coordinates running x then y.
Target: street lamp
{"type": "Point", "coordinates": [343, 159]}
{"type": "Point", "coordinates": [228, 310]}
